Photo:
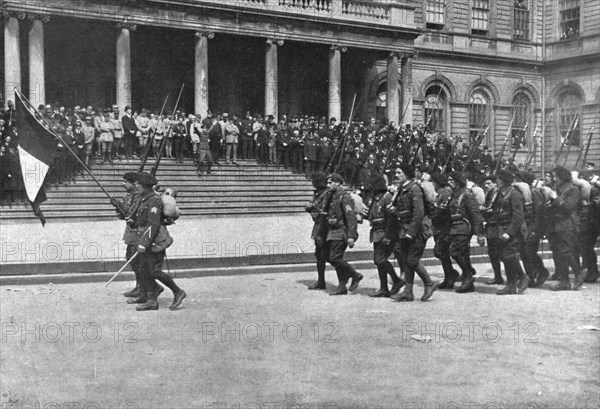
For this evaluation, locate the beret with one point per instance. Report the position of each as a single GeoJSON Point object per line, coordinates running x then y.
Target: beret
{"type": "Point", "coordinates": [146, 179]}
{"type": "Point", "coordinates": [506, 175]}
{"type": "Point", "coordinates": [563, 173]}
{"type": "Point", "coordinates": [319, 180]}
{"type": "Point", "coordinates": [130, 176]}
{"type": "Point", "coordinates": [336, 177]}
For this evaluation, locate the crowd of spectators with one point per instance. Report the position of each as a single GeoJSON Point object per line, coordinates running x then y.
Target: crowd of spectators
{"type": "Point", "coordinates": [304, 144]}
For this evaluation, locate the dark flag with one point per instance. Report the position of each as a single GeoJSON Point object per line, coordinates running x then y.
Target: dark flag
{"type": "Point", "coordinates": [37, 147]}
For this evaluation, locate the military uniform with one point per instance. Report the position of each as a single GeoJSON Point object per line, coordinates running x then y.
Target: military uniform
{"type": "Point", "coordinates": [441, 225]}
{"type": "Point", "coordinates": [409, 209]}
{"type": "Point", "coordinates": [466, 221]}
{"type": "Point", "coordinates": [382, 245]}
{"type": "Point", "coordinates": [491, 235]}
{"type": "Point", "coordinates": [154, 238]}
{"type": "Point", "coordinates": [342, 226]}
{"type": "Point", "coordinates": [319, 231]}
{"type": "Point", "coordinates": [563, 229]}
{"type": "Point", "coordinates": [510, 229]}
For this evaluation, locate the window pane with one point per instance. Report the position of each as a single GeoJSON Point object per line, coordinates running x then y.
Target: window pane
{"type": "Point", "coordinates": [569, 119]}
{"type": "Point", "coordinates": [435, 10]}
{"type": "Point", "coordinates": [435, 109]}
{"type": "Point", "coordinates": [478, 113]}
{"type": "Point", "coordinates": [520, 130]}
{"type": "Point", "coordinates": [521, 20]}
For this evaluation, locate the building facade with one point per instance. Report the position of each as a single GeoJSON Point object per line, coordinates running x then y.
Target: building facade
{"type": "Point", "coordinates": [522, 71]}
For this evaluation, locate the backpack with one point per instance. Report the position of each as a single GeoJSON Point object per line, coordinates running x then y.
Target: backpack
{"type": "Point", "coordinates": [428, 199]}
{"type": "Point", "coordinates": [358, 206]}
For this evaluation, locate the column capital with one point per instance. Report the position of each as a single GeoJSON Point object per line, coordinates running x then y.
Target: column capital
{"type": "Point", "coordinates": [208, 34]}
{"type": "Point", "coordinates": [392, 54]}
{"type": "Point", "coordinates": [20, 15]}
{"type": "Point", "coordinates": [126, 25]}
{"type": "Point", "coordinates": [335, 47]}
{"type": "Point", "coordinates": [275, 41]}
{"type": "Point", "coordinates": [33, 17]}
{"type": "Point", "coordinates": [409, 55]}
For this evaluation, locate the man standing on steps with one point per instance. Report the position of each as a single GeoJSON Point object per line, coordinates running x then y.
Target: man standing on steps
{"type": "Point", "coordinates": [409, 208]}
{"type": "Point", "coordinates": [153, 240]}
{"type": "Point", "coordinates": [342, 233]}
{"type": "Point", "coordinates": [320, 227]}
{"type": "Point", "coordinates": [491, 230]}
{"type": "Point", "coordinates": [466, 221]}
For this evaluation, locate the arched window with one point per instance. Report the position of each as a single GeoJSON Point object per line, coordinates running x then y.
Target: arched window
{"type": "Point", "coordinates": [478, 113]}
{"type": "Point", "coordinates": [435, 109]}
{"type": "Point", "coordinates": [381, 102]}
{"type": "Point", "coordinates": [569, 104]}
{"type": "Point", "coordinates": [521, 126]}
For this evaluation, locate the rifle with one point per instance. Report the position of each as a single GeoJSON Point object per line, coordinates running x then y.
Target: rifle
{"type": "Point", "coordinates": [163, 143]}
{"type": "Point", "coordinates": [587, 147]}
{"type": "Point", "coordinates": [151, 140]}
{"type": "Point", "coordinates": [499, 160]}
{"type": "Point", "coordinates": [568, 135]}
{"type": "Point", "coordinates": [514, 154]}
{"type": "Point", "coordinates": [478, 142]}
{"type": "Point", "coordinates": [350, 119]}
{"type": "Point", "coordinates": [327, 168]}
{"type": "Point", "coordinates": [531, 150]}
{"type": "Point", "coordinates": [454, 145]}
{"type": "Point", "coordinates": [539, 140]}
{"type": "Point", "coordinates": [397, 137]}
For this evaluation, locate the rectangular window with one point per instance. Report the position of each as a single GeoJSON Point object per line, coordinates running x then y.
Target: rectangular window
{"type": "Point", "coordinates": [569, 19]}
{"type": "Point", "coordinates": [480, 17]}
{"type": "Point", "coordinates": [478, 117]}
{"type": "Point", "coordinates": [435, 11]}
{"type": "Point", "coordinates": [521, 20]}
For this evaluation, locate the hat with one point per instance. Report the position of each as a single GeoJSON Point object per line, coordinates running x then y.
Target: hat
{"type": "Point", "coordinates": [146, 179]}
{"type": "Point", "coordinates": [78, 122]}
{"type": "Point", "coordinates": [130, 176]}
{"type": "Point", "coordinates": [319, 180]}
{"type": "Point", "coordinates": [408, 170]}
{"type": "Point", "coordinates": [506, 175]}
{"type": "Point", "coordinates": [527, 177]}
{"type": "Point", "coordinates": [377, 182]}
{"type": "Point", "coordinates": [337, 178]}
{"type": "Point", "coordinates": [225, 115]}
{"type": "Point", "coordinates": [458, 177]}
{"type": "Point", "coordinates": [88, 118]}
{"type": "Point", "coordinates": [127, 107]}
{"type": "Point", "coordinates": [562, 173]}
{"type": "Point", "coordinates": [440, 179]}
{"type": "Point", "coordinates": [592, 164]}
{"type": "Point", "coordinates": [115, 107]}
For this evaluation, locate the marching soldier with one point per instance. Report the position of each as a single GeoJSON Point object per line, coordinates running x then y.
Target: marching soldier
{"type": "Point", "coordinates": [563, 228]}
{"type": "Point", "coordinates": [509, 221]}
{"type": "Point", "coordinates": [466, 221]}
{"type": "Point", "coordinates": [491, 229]}
{"type": "Point", "coordinates": [409, 208]}
{"type": "Point", "coordinates": [382, 245]}
{"type": "Point", "coordinates": [319, 232]}
{"type": "Point", "coordinates": [532, 262]}
{"type": "Point", "coordinates": [342, 233]}
{"type": "Point", "coordinates": [441, 225]}
{"type": "Point", "coordinates": [153, 239]}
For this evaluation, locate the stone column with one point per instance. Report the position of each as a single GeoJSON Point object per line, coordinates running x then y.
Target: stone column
{"type": "Point", "coordinates": [201, 72]}
{"type": "Point", "coordinates": [124, 65]}
{"type": "Point", "coordinates": [37, 76]}
{"type": "Point", "coordinates": [335, 80]}
{"type": "Point", "coordinates": [12, 57]}
{"type": "Point", "coordinates": [271, 89]}
{"type": "Point", "coordinates": [407, 88]}
{"type": "Point", "coordinates": [392, 101]}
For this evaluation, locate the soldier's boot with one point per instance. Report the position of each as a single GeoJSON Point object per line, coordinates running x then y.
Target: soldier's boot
{"type": "Point", "coordinates": [341, 288]}
{"type": "Point", "coordinates": [135, 292]}
{"type": "Point", "coordinates": [497, 274]}
{"type": "Point", "coordinates": [109, 155]}
{"type": "Point", "coordinates": [200, 169]}
{"type": "Point", "coordinates": [591, 277]}
{"type": "Point", "coordinates": [356, 279]}
{"type": "Point", "coordinates": [102, 161]}
{"type": "Point", "coordinates": [177, 299]}
{"type": "Point", "coordinates": [468, 282]}
{"type": "Point", "coordinates": [407, 294]}
{"type": "Point", "coordinates": [150, 304]}
{"type": "Point", "coordinates": [430, 286]}
{"type": "Point", "coordinates": [208, 167]}
{"type": "Point", "coordinates": [397, 286]}
{"type": "Point", "coordinates": [142, 298]}
{"type": "Point", "coordinates": [579, 279]}
{"type": "Point", "coordinates": [524, 279]}
{"type": "Point", "coordinates": [563, 283]}
{"type": "Point", "coordinates": [511, 282]}
{"type": "Point", "coordinates": [542, 277]}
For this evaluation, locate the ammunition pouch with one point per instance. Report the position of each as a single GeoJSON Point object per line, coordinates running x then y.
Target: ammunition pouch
{"type": "Point", "coordinates": [403, 215]}
{"type": "Point", "coordinates": [378, 224]}
{"type": "Point", "coordinates": [528, 211]}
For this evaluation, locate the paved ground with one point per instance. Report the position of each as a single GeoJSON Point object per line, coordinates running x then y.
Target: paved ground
{"type": "Point", "coordinates": [264, 341]}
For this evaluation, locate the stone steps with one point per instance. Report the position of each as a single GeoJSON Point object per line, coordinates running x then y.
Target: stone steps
{"type": "Point", "coordinates": [245, 189]}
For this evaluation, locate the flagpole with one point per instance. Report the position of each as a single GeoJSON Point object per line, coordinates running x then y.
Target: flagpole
{"type": "Point", "coordinates": [57, 136]}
